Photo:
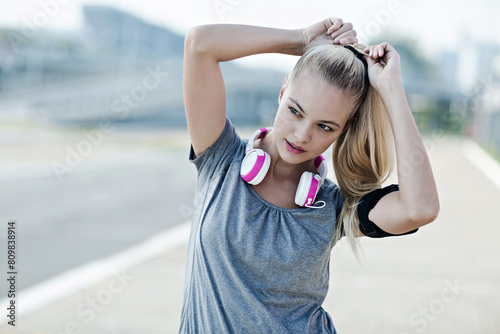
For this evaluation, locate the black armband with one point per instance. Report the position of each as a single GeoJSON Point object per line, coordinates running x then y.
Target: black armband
{"type": "Point", "coordinates": [368, 202]}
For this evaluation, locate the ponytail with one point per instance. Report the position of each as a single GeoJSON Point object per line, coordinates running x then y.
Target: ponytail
{"type": "Point", "coordinates": [363, 159]}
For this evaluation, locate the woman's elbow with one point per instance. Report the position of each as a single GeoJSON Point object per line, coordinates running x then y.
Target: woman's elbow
{"type": "Point", "coordinates": [196, 40]}
{"type": "Point", "coordinates": [425, 214]}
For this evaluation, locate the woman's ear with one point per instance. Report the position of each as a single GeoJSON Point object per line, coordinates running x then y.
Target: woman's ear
{"type": "Point", "coordinates": [283, 88]}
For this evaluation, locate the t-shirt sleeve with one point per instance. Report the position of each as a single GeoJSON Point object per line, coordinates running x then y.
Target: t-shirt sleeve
{"type": "Point", "coordinates": [219, 155]}
{"type": "Point", "coordinates": [367, 203]}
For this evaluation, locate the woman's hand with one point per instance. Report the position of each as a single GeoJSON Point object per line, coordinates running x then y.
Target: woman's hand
{"type": "Point", "coordinates": [329, 31]}
{"type": "Point", "coordinates": [384, 66]}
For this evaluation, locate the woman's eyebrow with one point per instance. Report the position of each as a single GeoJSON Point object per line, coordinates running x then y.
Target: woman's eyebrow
{"type": "Point", "coordinates": [302, 109]}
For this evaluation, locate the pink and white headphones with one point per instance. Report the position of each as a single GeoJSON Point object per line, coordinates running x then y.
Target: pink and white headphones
{"type": "Point", "coordinates": [256, 164]}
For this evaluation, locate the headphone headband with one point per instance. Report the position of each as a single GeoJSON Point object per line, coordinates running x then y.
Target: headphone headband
{"type": "Point", "coordinates": [259, 134]}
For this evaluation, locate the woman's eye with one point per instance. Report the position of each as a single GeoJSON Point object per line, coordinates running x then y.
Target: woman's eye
{"type": "Point", "coordinates": [297, 113]}
{"type": "Point", "coordinates": [326, 128]}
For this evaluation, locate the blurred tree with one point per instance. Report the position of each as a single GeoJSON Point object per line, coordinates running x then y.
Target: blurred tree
{"type": "Point", "coordinates": [414, 65]}
{"type": "Point", "coordinates": [428, 94]}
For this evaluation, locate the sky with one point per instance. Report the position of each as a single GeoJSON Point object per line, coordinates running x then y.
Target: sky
{"type": "Point", "coordinates": [435, 25]}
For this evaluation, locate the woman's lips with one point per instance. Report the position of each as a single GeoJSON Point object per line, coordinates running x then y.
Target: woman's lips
{"type": "Point", "coordinates": [291, 147]}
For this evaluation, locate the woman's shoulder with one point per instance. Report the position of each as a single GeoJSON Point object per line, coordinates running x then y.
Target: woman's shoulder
{"type": "Point", "coordinates": [332, 191]}
{"type": "Point", "coordinates": [330, 184]}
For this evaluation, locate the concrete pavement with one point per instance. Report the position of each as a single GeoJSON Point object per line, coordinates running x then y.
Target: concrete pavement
{"type": "Point", "coordinates": [443, 279]}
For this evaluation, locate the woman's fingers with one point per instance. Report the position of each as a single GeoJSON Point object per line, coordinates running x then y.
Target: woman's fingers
{"type": "Point", "coordinates": [348, 37]}
{"type": "Point", "coordinates": [336, 29]}
{"type": "Point", "coordinates": [345, 27]}
{"type": "Point", "coordinates": [369, 51]}
{"type": "Point", "coordinates": [343, 31]}
{"type": "Point", "coordinates": [347, 40]}
{"type": "Point", "coordinates": [377, 51]}
{"type": "Point", "coordinates": [334, 23]}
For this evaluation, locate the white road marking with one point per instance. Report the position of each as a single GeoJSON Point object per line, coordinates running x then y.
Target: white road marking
{"type": "Point", "coordinates": [482, 160]}
{"type": "Point", "coordinates": [85, 276]}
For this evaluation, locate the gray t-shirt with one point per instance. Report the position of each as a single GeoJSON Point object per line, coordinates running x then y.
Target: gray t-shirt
{"type": "Point", "coordinates": [254, 267]}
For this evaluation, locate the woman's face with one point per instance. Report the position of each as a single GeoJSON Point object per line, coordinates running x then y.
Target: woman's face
{"type": "Point", "coordinates": [310, 117]}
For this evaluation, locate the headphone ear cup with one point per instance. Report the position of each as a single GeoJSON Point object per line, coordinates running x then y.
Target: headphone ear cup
{"type": "Point", "coordinates": [308, 189]}
{"type": "Point", "coordinates": [254, 166]}
{"type": "Point", "coordinates": [303, 188]}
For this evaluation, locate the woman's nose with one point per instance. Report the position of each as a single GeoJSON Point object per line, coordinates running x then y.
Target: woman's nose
{"type": "Point", "coordinates": [302, 134]}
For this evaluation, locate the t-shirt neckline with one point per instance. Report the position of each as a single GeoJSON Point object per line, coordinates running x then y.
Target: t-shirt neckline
{"type": "Point", "coordinates": [254, 193]}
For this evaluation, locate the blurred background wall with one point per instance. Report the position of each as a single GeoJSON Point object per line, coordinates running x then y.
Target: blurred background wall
{"type": "Point", "coordinates": [83, 72]}
{"type": "Point", "coordinates": [99, 71]}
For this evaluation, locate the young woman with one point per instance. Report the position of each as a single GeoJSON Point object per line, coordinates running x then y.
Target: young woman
{"type": "Point", "coordinates": [266, 217]}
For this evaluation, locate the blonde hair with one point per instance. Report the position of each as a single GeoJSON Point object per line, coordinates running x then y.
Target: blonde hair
{"type": "Point", "coordinates": [363, 155]}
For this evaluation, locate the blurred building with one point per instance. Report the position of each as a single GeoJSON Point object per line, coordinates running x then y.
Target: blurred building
{"type": "Point", "coordinates": [122, 69]}
{"type": "Point", "coordinates": [478, 81]}
{"type": "Point", "coordinates": [117, 68]}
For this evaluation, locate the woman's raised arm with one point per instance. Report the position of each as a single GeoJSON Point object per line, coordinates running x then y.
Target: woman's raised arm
{"type": "Point", "coordinates": [208, 45]}
{"type": "Point", "coordinates": [416, 203]}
